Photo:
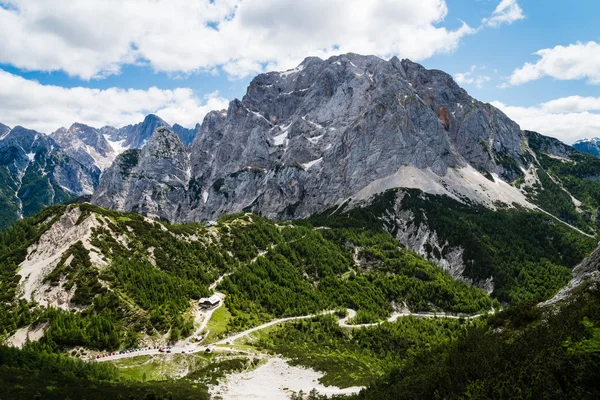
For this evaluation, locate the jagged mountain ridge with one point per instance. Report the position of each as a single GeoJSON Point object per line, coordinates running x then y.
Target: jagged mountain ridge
{"type": "Point", "coordinates": [137, 135]}
{"type": "Point", "coordinates": [590, 146]}
{"type": "Point", "coordinates": [86, 144]}
{"type": "Point", "coordinates": [35, 173]}
{"type": "Point", "coordinates": [329, 130]}
{"type": "Point", "coordinates": [37, 170]}
{"type": "Point", "coordinates": [99, 147]}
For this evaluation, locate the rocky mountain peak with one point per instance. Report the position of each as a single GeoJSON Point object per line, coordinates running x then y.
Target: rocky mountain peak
{"type": "Point", "coordinates": [28, 140]}
{"type": "Point", "coordinates": [326, 131]}
{"type": "Point", "coordinates": [85, 144]}
{"type": "Point", "coordinates": [590, 146]}
{"type": "Point", "coordinates": [89, 136]}
{"type": "Point", "coordinates": [150, 180]}
{"type": "Point", "coordinates": [140, 133]}
{"type": "Point", "coordinates": [136, 136]}
{"type": "Point", "coordinates": [164, 143]}
{"type": "Point", "coordinates": [3, 130]}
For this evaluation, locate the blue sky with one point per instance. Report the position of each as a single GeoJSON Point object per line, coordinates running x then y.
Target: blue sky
{"type": "Point", "coordinates": [194, 67]}
{"type": "Point", "coordinates": [547, 23]}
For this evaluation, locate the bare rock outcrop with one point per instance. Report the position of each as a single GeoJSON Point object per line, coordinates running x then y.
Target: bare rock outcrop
{"type": "Point", "coordinates": [305, 139]}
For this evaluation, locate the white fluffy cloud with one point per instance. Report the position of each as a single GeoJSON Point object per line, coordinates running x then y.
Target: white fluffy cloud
{"type": "Point", "coordinates": [568, 118]}
{"type": "Point", "coordinates": [471, 78]}
{"type": "Point", "coordinates": [507, 12]}
{"type": "Point", "coordinates": [572, 104]}
{"type": "Point", "coordinates": [46, 108]}
{"type": "Point", "coordinates": [93, 38]}
{"type": "Point", "coordinates": [575, 61]}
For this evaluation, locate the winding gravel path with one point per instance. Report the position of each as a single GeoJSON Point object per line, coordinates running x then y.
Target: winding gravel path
{"type": "Point", "coordinates": [187, 347]}
{"type": "Point", "coordinates": [237, 336]}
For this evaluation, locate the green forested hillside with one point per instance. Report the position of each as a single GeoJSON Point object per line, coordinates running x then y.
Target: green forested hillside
{"type": "Point", "coordinates": [522, 353]}
{"type": "Point", "coordinates": [313, 270]}
{"type": "Point", "coordinates": [527, 254]}
{"type": "Point", "coordinates": [39, 373]}
{"type": "Point", "coordinates": [140, 278]}
{"type": "Point", "coordinates": [361, 356]}
{"type": "Point", "coordinates": [277, 270]}
{"type": "Point", "coordinates": [574, 174]}
{"type": "Point", "coordinates": [152, 271]}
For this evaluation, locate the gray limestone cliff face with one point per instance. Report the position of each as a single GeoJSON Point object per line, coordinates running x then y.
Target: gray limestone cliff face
{"type": "Point", "coordinates": [420, 238]}
{"type": "Point", "coordinates": [305, 139]}
{"type": "Point", "coordinates": [115, 186]}
{"type": "Point", "coordinates": [150, 181]}
{"type": "Point", "coordinates": [587, 272]}
{"type": "Point", "coordinates": [38, 173]}
{"type": "Point", "coordinates": [85, 144]}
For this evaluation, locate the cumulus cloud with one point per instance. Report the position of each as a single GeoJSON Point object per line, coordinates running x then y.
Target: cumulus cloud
{"type": "Point", "coordinates": [567, 119]}
{"type": "Point", "coordinates": [94, 38]}
{"type": "Point", "coordinates": [507, 12]}
{"type": "Point", "coordinates": [46, 108]}
{"type": "Point", "coordinates": [575, 61]}
{"type": "Point", "coordinates": [471, 78]}
{"type": "Point", "coordinates": [572, 104]}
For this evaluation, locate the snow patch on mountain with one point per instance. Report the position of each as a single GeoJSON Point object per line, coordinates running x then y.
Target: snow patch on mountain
{"type": "Point", "coordinates": [118, 146]}
{"type": "Point", "coordinates": [292, 71]}
{"type": "Point", "coordinates": [309, 164]}
{"type": "Point", "coordinates": [280, 139]}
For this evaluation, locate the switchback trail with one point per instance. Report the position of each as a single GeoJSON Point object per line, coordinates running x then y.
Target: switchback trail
{"type": "Point", "coordinates": [343, 323]}
{"type": "Point", "coordinates": [185, 346]}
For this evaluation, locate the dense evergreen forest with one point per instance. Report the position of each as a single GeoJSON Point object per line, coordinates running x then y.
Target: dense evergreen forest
{"type": "Point", "coordinates": [312, 270]}
{"type": "Point", "coordinates": [528, 254]}
{"type": "Point", "coordinates": [152, 272]}
{"type": "Point", "coordinates": [37, 372]}
{"type": "Point", "coordinates": [277, 270]}
{"type": "Point", "coordinates": [361, 356]}
{"type": "Point", "coordinates": [523, 353]}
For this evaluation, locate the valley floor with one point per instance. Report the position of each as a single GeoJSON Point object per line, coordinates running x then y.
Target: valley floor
{"type": "Point", "coordinates": [274, 380]}
{"type": "Point", "coordinates": [300, 308]}
{"type": "Point", "coordinates": [187, 347]}
{"type": "Point", "coordinates": [267, 377]}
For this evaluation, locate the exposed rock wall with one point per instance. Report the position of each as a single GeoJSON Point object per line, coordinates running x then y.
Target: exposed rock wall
{"type": "Point", "coordinates": [311, 137]}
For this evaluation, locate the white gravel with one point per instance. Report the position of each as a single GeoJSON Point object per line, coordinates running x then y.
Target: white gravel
{"type": "Point", "coordinates": [275, 380]}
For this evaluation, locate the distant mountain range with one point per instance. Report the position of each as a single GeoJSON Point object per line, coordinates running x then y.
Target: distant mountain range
{"type": "Point", "coordinates": [38, 170]}
{"type": "Point", "coordinates": [100, 146]}
{"type": "Point", "coordinates": [590, 146]}
{"type": "Point", "coordinates": [328, 134]}
{"type": "Point", "coordinates": [376, 160]}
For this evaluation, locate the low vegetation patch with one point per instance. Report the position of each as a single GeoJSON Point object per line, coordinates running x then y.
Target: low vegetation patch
{"type": "Point", "coordinates": [359, 357]}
